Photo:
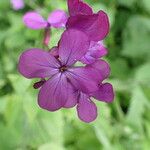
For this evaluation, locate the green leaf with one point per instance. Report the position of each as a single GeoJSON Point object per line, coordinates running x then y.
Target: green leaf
{"type": "Point", "coordinates": [19, 83]}
{"type": "Point", "coordinates": [117, 71]}
{"type": "Point", "coordinates": [102, 126]}
{"type": "Point", "coordinates": [136, 38]}
{"type": "Point", "coordinates": [127, 3]}
{"type": "Point", "coordinates": [142, 74]}
{"type": "Point", "coordinates": [51, 146]}
{"type": "Point", "coordinates": [137, 107]}
{"type": "Point", "coordinates": [146, 5]}
{"type": "Point", "coordinates": [3, 103]}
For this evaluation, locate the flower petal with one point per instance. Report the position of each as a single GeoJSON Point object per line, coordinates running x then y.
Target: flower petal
{"type": "Point", "coordinates": [96, 26]}
{"type": "Point", "coordinates": [84, 79]}
{"type": "Point", "coordinates": [86, 109]}
{"type": "Point", "coordinates": [105, 93]}
{"type": "Point", "coordinates": [102, 68]}
{"type": "Point", "coordinates": [34, 20]}
{"type": "Point", "coordinates": [36, 63]}
{"type": "Point", "coordinates": [54, 93]}
{"type": "Point", "coordinates": [87, 79]}
{"type": "Point", "coordinates": [95, 51]}
{"type": "Point", "coordinates": [72, 97]}
{"type": "Point", "coordinates": [76, 7]}
{"type": "Point", "coordinates": [72, 46]}
{"type": "Point", "coordinates": [58, 18]}
{"type": "Point", "coordinates": [17, 4]}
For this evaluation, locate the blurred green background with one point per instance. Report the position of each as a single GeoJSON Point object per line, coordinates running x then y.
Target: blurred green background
{"type": "Point", "coordinates": [122, 125]}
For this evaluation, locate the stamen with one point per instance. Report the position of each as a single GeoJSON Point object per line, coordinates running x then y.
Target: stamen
{"type": "Point", "coordinates": [63, 68]}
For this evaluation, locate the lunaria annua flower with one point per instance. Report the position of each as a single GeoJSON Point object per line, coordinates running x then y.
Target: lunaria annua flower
{"type": "Point", "coordinates": [35, 21]}
{"type": "Point", "coordinates": [17, 4]}
{"type": "Point", "coordinates": [36, 63]}
{"type": "Point", "coordinates": [96, 26]}
{"type": "Point", "coordinates": [64, 84]}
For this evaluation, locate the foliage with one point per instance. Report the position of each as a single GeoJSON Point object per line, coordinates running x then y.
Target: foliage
{"type": "Point", "coordinates": [124, 124]}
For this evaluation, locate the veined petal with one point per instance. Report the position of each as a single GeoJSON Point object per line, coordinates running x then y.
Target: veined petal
{"type": "Point", "coordinates": [105, 93]}
{"type": "Point", "coordinates": [37, 63]}
{"type": "Point", "coordinates": [54, 93]}
{"type": "Point", "coordinates": [88, 59]}
{"type": "Point", "coordinates": [86, 109]}
{"type": "Point", "coordinates": [76, 7]}
{"type": "Point", "coordinates": [58, 18]}
{"type": "Point", "coordinates": [72, 97]}
{"type": "Point", "coordinates": [102, 67]}
{"type": "Point", "coordinates": [96, 26]}
{"type": "Point", "coordinates": [34, 20]}
{"type": "Point", "coordinates": [84, 79]}
{"type": "Point", "coordinates": [72, 46]}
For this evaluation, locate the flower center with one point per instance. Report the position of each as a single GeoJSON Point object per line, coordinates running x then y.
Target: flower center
{"type": "Point", "coordinates": [62, 68]}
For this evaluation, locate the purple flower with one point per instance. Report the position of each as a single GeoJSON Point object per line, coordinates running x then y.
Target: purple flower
{"type": "Point", "coordinates": [62, 83]}
{"type": "Point", "coordinates": [56, 19]}
{"type": "Point", "coordinates": [63, 77]}
{"type": "Point", "coordinates": [86, 108]}
{"type": "Point", "coordinates": [17, 4]}
{"type": "Point", "coordinates": [34, 20]}
{"type": "Point", "coordinates": [96, 26]}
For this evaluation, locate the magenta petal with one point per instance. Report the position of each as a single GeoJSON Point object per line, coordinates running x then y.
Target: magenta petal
{"type": "Point", "coordinates": [105, 93]}
{"type": "Point", "coordinates": [84, 79]}
{"type": "Point", "coordinates": [76, 7]}
{"type": "Point", "coordinates": [96, 26]}
{"type": "Point", "coordinates": [17, 4]}
{"type": "Point", "coordinates": [96, 51]}
{"type": "Point", "coordinates": [102, 68]}
{"type": "Point", "coordinates": [36, 63]}
{"type": "Point", "coordinates": [54, 93]}
{"type": "Point", "coordinates": [58, 18]}
{"type": "Point", "coordinates": [72, 97]}
{"type": "Point", "coordinates": [87, 110]}
{"type": "Point", "coordinates": [73, 46]}
{"type": "Point", "coordinates": [34, 20]}
{"type": "Point", "coordinates": [88, 59]}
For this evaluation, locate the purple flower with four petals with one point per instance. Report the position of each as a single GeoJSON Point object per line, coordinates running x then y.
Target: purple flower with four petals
{"type": "Point", "coordinates": [64, 84]}
{"type": "Point", "coordinates": [36, 63]}
{"type": "Point", "coordinates": [57, 19]}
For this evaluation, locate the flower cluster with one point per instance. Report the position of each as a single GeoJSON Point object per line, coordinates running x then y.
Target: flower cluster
{"type": "Point", "coordinates": [62, 83]}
